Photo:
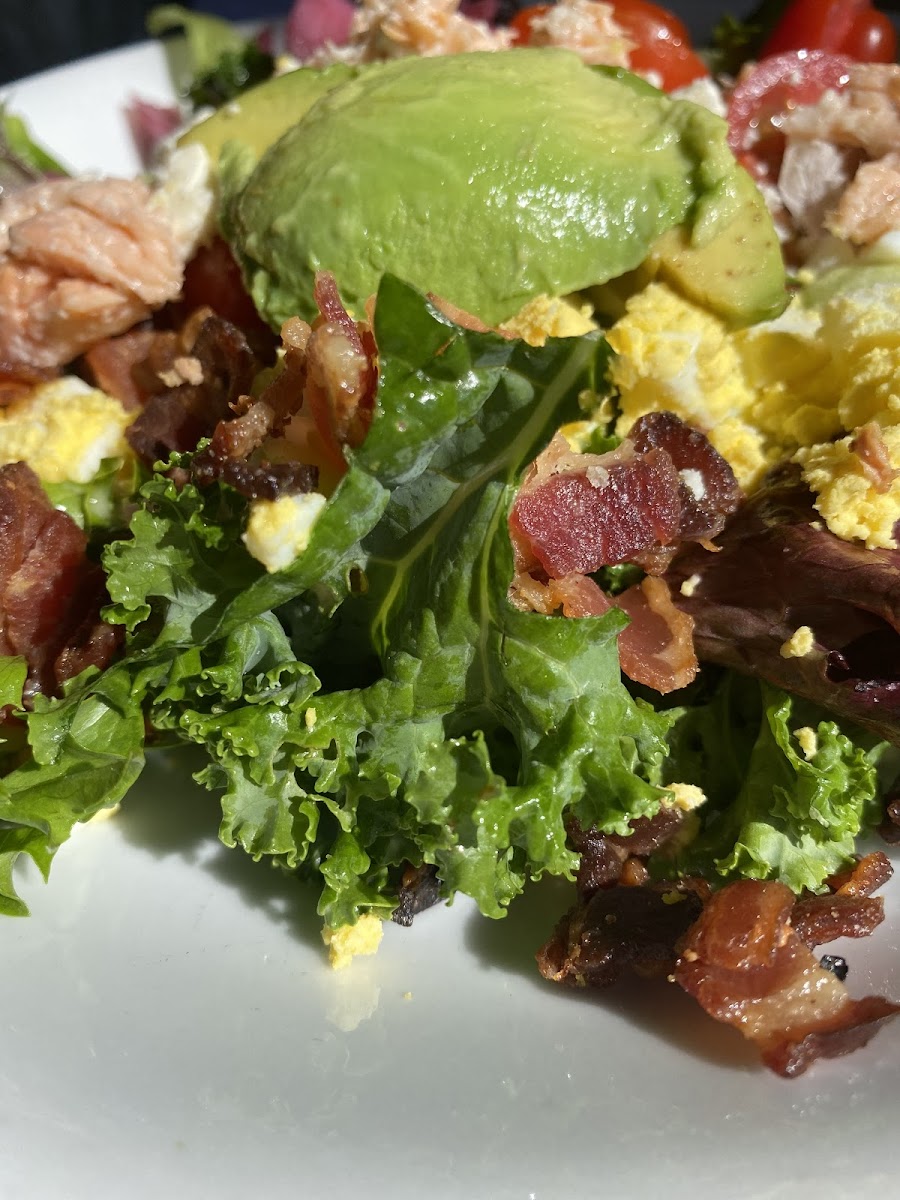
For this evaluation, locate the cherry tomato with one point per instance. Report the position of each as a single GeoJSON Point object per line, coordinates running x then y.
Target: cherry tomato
{"type": "Point", "coordinates": [521, 22]}
{"type": "Point", "coordinates": [768, 90]}
{"type": "Point", "coordinates": [213, 279]}
{"type": "Point", "coordinates": [662, 43]}
{"type": "Point", "coordinates": [851, 27]}
{"type": "Point", "coordinates": [872, 39]}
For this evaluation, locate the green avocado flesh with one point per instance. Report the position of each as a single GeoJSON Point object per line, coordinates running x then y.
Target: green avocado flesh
{"type": "Point", "coordinates": [488, 179]}
{"type": "Point", "coordinates": [265, 112]}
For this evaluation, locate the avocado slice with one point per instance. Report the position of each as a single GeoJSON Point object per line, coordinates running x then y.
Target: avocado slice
{"type": "Point", "coordinates": [263, 113]}
{"type": "Point", "coordinates": [489, 179]}
{"type": "Point", "coordinates": [736, 270]}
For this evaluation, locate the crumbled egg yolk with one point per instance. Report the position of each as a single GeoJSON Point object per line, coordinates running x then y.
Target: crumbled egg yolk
{"type": "Point", "coordinates": [799, 644]}
{"type": "Point", "coordinates": [808, 740]}
{"type": "Point", "coordinates": [345, 942]}
{"type": "Point", "coordinates": [846, 496]}
{"type": "Point", "coordinates": [63, 430]}
{"type": "Point", "coordinates": [672, 354]}
{"type": "Point", "coordinates": [798, 387]}
{"type": "Point", "coordinates": [686, 796]}
{"type": "Point", "coordinates": [278, 530]}
{"type": "Point", "coordinates": [548, 316]}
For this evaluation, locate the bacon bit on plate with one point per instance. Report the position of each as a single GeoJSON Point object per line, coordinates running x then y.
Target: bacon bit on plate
{"type": "Point", "coordinates": [50, 593]}
{"type": "Point", "coordinates": [746, 966]}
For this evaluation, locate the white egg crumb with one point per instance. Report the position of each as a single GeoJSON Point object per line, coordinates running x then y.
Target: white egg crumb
{"type": "Point", "coordinates": [63, 430]}
{"type": "Point", "coordinates": [799, 644]}
{"type": "Point", "coordinates": [278, 530]}
{"type": "Point", "coordinates": [808, 741]}
{"type": "Point", "coordinates": [689, 586]}
{"type": "Point", "coordinates": [686, 796]}
{"type": "Point", "coordinates": [348, 941]}
{"type": "Point", "coordinates": [186, 194]}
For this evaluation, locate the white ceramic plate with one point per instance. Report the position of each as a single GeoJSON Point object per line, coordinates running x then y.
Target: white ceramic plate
{"type": "Point", "coordinates": [170, 1028]}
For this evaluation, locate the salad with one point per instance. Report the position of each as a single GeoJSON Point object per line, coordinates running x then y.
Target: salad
{"type": "Point", "coordinates": [437, 441]}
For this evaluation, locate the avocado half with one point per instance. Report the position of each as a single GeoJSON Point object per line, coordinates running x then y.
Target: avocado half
{"type": "Point", "coordinates": [487, 179]}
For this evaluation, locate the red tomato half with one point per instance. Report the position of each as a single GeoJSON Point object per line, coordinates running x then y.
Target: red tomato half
{"type": "Point", "coordinates": [662, 43]}
{"type": "Point", "coordinates": [770, 89]}
{"type": "Point", "coordinates": [851, 27]}
{"type": "Point", "coordinates": [521, 23]}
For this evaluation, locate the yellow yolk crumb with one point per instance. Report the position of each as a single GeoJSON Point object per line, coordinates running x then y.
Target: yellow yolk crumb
{"type": "Point", "coordinates": [347, 941]}
{"type": "Point", "coordinates": [63, 430]}
{"type": "Point", "coordinates": [848, 500]}
{"type": "Point", "coordinates": [686, 796]}
{"type": "Point", "coordinates": [278, 530]}
{"type": "Point", "coordinates": [808, 740]}
{"type": "Point", "coordinates": [799, 644]}
{"type": "Point", "coordinates": [547, 316]}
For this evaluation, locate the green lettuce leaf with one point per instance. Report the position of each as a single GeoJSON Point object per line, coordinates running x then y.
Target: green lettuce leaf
{"type": "Point", "coordinates": [87, 751]}
{"type": "Point", "coordinates": [221, 62]}
{"type": "Point", "coordinates": [466, 730]}
{"type": "Point", "coordinates": [772, 813]}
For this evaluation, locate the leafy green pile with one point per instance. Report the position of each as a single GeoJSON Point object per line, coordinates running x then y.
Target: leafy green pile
{"type": "Point", "coordinates": [381, 702]}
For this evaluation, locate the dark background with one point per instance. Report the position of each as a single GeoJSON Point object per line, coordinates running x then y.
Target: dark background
{"type": "Point", "coordinates": [36, 34]}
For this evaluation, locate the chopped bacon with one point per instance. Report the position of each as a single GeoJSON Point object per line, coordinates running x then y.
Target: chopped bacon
{"type": "Point", "coordinates": [618, 928]}
{"type": "Point", "coordinates": [342, 363]}
{"type": "Point", "coordinates": [745, 965]}
{"type": "Point", "coordinates": [420, 888]}
{"type": "Point", "coordinates": [579, 512]}
{"type": "Point", "coordinates": [708, 489]}
{"type": "Point", "coordinates": [869, 447]}
{"type": "Point", "coordinates": [656, 648]}
{"type": "Point", "coordinates": [50, 593]}
{"type": "Point", "coordinates": [112, 364]}
{"type": "Point", "coordinates": [176, 419]}
{"type": "Point", "coordinates": [604, 855]}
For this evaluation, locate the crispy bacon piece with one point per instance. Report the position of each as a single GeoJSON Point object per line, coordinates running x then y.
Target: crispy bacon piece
{"type": "Point", "coordinates": [342, 365]}
{"type": "Point", "coordinates": [618, 929]}
{"type": "Point", "coordinates": [176, 419]}
{"type": "Point", "coordinates": [849, 909]}
{"type": "Point", "coordinates": [604, 855]}
{"type": "Point", "coordinates": [420, 888]}
{"type": "Point", "coordinates": [579, 512]}
{"type": "Point", "coordinates": [50, 593]}
{"type": "Point", "coordinates": [745, 965]}
{"type": "Point", "coordinates": [656, 648]}
{"type": "Point", "coordinates": [869, 447]}
{"type": "Point", "coordinates": [112, 363]}
{"type": "Point", "coordinates": [707, 487]}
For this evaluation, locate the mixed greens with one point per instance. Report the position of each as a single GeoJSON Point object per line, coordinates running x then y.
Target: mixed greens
{"type": "Point", "coordinates": [381, 702]}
